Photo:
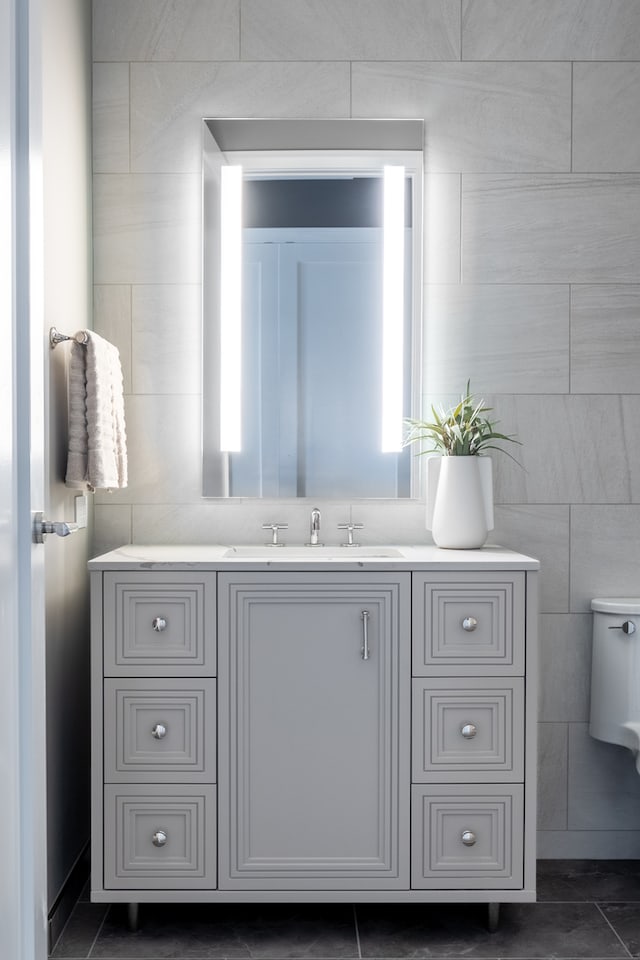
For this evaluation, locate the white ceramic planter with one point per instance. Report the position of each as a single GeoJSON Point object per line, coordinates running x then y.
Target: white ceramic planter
{"type": "Point", "coordinates": [459, 501]}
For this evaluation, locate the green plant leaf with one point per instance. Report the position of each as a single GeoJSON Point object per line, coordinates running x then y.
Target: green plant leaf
{"type": "Point", "coordinates": [463, 430]}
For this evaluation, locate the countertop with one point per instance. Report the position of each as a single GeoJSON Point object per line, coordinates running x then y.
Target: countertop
{"type": "Point", "coordinates": [296, 557]}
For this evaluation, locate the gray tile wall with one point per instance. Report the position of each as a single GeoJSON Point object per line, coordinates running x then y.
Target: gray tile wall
{"type": "Point", "coordinates": [532, 287]}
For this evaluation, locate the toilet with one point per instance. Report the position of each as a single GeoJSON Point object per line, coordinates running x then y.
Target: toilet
{"type": "Point", "coordinates": [615, 673]}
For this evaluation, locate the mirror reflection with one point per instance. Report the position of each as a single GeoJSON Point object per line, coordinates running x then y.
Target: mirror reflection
{"type": "Point", "coordinates": [311, 263]}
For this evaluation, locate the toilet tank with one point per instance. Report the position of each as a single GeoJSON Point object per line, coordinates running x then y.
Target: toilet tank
{"type": "Point", "coordinates": [615, 672]}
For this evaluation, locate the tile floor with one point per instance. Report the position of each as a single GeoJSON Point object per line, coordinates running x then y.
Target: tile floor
{"type": "Point", "coordinates": [585, 909]}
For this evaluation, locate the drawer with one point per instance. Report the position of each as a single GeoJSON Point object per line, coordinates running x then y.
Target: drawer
{"type": "Point", "coordinates": [159, 839]}
{"type": "Point", "coordinates": [467, 837]}
{"type": "Point", "coordinates": [468, 624]}
{"type": "Point", "coordinates": [465, 731]}
{"type": "Point", "coordinates": [160, 623]}
{"type": "Point", "coordinates": [159, 730]}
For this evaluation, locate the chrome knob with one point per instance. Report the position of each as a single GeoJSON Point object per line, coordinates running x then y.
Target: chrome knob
{"type": "Point", "coordinates": [159, 731]}
{"type": "Point", "coordinates": [468, 837]}
{"type": "Point", "coordinates": [469, 731]}
{"type": "Point", "coordinates": [159, 838]}
{"type": "Point", "coordinates": [159, 624]}
{"type": "Point", "coordinates": [469, 624]}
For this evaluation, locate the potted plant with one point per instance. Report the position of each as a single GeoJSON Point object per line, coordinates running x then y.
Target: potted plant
{"type": "Point", "coordinates": [459, 481]}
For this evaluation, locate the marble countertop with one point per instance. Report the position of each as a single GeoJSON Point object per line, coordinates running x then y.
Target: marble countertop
{"type": "Point", "coordinates": [299, 557]}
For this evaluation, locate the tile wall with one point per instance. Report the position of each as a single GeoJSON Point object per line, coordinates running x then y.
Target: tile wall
{"type": "Point", "coordinates": [532, 287]}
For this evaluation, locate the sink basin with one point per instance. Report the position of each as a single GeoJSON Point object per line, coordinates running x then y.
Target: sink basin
{"type": "Point", "coordinates": [294, 552]}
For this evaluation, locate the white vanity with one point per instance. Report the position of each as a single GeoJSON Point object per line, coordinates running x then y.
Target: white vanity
{"type": "Point", "coordinates": [307, 726]}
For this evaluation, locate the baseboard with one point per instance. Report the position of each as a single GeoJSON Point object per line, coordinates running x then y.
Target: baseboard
{"type": "Point", "coordinates": [68, 897]}
{"type": "Point", "coordinates": [588, 845]}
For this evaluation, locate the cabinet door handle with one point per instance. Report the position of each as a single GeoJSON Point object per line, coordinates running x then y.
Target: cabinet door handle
{"type": "Point", "coordinates": [159, 838]}
{"type": "Point", "coordinates": [159, 731]}
{"type": "Point", "coordinates": [468, 731]}
{"type": "Point", "coordinates": [469, 624]}
{"type": "Point", "coordinates": [365, 652]}
{"type": "Point", "coordinates": [468, 837]}
{"type": "Point", "coordinates": [159, 624]}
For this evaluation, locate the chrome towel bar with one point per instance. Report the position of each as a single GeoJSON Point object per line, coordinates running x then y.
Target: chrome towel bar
{"type": "Point", "coordinates": [55, 337]}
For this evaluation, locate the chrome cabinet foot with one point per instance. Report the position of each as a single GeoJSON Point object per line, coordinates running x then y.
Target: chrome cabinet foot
{"type": "Point", "coordinates": [133, 915]}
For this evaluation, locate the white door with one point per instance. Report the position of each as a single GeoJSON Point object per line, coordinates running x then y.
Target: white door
{"type": "Point", "coordinates": [23, 905]}
{"type": "Point", "coordinates": [312, 384]}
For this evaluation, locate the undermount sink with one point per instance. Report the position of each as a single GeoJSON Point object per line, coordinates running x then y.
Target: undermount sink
{"type": "Point", "coordinates": [302, 552]}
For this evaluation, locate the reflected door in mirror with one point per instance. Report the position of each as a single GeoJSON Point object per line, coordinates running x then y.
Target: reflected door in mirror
{"type": "Point", "coordinates": [312, 316]}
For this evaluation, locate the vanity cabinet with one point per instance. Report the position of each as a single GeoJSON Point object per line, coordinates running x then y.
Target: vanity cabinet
{"type": "Point", "coordinates": [272, 730]}
{"type": "Point", "coordinates": [314, 786]}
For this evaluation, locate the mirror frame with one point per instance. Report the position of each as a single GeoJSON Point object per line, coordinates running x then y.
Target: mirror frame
{"type": "Point", "coordinates": [273, 145]}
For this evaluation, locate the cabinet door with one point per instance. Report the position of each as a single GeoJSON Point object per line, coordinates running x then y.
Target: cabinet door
{"type": "Point", "coordinates": [314, 771]}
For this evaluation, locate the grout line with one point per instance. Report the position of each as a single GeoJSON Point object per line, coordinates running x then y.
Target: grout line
{"type": "Point", "coordinates": [574, 902]}
{"type": "Point", "coordinates": [567, 751]}
{"type": "Point", "coordinates": [66, 924]}
{"type": "Point", "coordinates": [460, 226]}
{"type": "Point", "coordinates": [355, 921]}
{"type": "Point", "coordinates": [130, 358]}
{"type": "Point", "coordinates": [98, 932]}
{"type": "Point", "coordinates": [208, 955]}
{"type": "Point", "coordinates": [569, 609]}
{"type": "Point", "coordinates": [617, 935]}
{"type": "Point", "coordinates": [351, 88]}
{"type": "Point", "coordinates": [569, 345]}
{"type": "Point", "coordinates": [129, 171]}
{"type": "Point", "coordinates": [571, 121]}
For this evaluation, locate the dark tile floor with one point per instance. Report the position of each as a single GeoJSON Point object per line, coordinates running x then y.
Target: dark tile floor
{"type": "Point", "coordinates": [585, 909]}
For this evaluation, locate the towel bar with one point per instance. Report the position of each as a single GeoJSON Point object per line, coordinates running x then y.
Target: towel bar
{"type": "Point", "coordinates": [55, 337]}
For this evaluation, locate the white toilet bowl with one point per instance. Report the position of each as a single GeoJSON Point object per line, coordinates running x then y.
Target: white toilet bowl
{"type": "Point", "coordinates": [615, 673]}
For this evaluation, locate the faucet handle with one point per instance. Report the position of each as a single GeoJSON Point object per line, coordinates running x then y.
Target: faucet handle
{"type": "Point", "coordinates": [350, 527]}
{"type": "Point", "coordinates": [275, 527]}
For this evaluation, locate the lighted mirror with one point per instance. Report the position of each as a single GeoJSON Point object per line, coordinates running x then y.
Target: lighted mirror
{"type": "Point", "coordinates": [311, 298]}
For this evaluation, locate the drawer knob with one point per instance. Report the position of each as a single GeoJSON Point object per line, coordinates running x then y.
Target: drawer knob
{"type": "Point", "coordinates": [159, 838]}
{"type": "Point", "coordinates": [469, 731]}
{"type": "Point", "coordinates": [468, 838]}
{"type": "Point", "coordinates": [159, 624]}
{"type": "Point", "coordinates": [469, 624]}
{"type": "Point", "coordinates": [159, 731]}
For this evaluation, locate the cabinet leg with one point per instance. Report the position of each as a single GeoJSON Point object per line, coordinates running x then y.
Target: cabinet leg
{"type": "Point", "coordinates": [493, 917]}
{"type": "Point", "coordinates": [133, 916]}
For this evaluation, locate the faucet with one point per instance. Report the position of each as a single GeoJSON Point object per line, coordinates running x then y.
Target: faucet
{"type": "Point", "coordinates": [315, 528]}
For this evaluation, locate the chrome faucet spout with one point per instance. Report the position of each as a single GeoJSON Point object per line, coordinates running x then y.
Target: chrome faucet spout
{"type": "Point", "coordinates": [314, 540]}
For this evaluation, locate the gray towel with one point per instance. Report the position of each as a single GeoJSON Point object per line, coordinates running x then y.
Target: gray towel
{"type": "Point", "coordinates": [97, 455]}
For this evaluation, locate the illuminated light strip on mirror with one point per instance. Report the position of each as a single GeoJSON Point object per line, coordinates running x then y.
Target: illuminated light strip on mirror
{"type": "Point", "coordinates": [393, 308]}
{"type": "Point", "coordinates": [231, 309]}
